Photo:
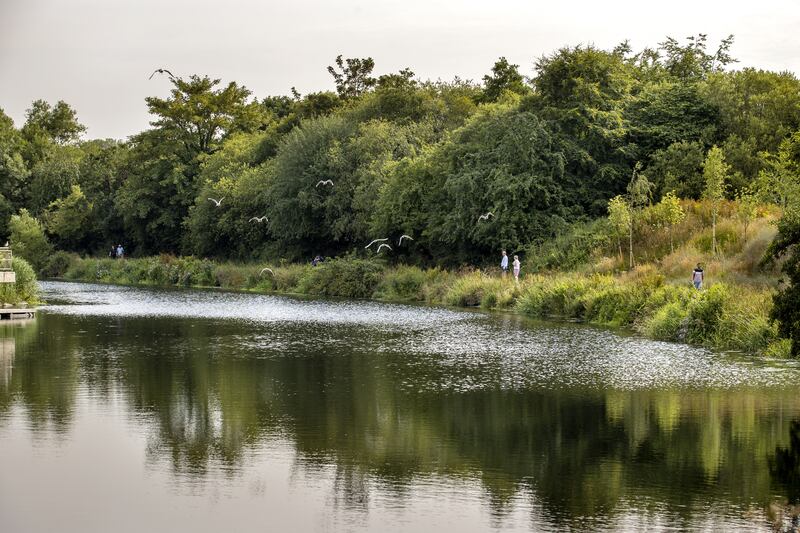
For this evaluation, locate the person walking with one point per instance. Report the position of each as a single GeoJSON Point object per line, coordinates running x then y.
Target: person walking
{"type": "Point", "coordinates": [113, 253]}
{"type": "Point", "coordinates": [698, 277]}
{"type": "Point", "coordinates": [516, 268]}
{"type": "Point", "coordinates": [120, 251]}
{"type": "Point", "coordinates": [504, 263]}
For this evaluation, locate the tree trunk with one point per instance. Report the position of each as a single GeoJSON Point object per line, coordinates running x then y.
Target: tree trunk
{"type": "Point", "coordinates": [671, 246]}
{"type": "Point", "coordinates": [630, 245]}
{"type": "Point", "coordinates": [714, 232]}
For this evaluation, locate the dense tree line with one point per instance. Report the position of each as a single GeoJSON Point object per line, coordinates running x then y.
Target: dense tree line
{"type": "Point", "coordinates": [404, 155]}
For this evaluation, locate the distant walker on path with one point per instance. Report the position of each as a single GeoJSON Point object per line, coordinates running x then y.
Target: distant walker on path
{"type": "Point", "coordinates": [516, 268]}
{"type": "Point", "coordinates": [504, 263]}
{"type": "Point", "coordinates": [697, 277]}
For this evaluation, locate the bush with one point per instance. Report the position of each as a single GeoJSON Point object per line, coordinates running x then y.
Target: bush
{"type": "Point", "coordinates": [704, 313]}
{"type": "Point", "coordinates": [668, 323]}
{"type": "Point", "coordinates": [28, 240]}
{"type": "Point", "coordinates": [403, 283]}
{"type": "Point", "coordinates": [26, 289]}
{"type": "Point", "coordinates": [471, 290]}
{"type": "Point", "coordinates": [347, 278]}
{"type": "Point", "coordinates": [58, 264]}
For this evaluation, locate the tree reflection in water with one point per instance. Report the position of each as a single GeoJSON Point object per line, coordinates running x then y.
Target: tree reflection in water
{"type": "Point", "coordinates": [207, 401]}
{"type": "Point", "coordinates": [784, 468]}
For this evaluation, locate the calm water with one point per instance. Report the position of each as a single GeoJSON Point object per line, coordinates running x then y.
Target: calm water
{"type": "Point", "coordinates": [148, 410]}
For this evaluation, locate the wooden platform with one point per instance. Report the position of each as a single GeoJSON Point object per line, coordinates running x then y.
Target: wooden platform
{"type": "Point", "coordinates": [13, 314]}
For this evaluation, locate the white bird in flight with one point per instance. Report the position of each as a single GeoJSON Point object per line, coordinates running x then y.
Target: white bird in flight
{"type": "Point", "coordinates": [266, 270]}
{"type": "Point", "coordinates": [381, 246]}
{"type": "Point", "coordinates": [258, 219]}
{"type": "Point", "coordinates": [324, 182]}
{"type": "Point", "coordinates": [373, 242]}
{"type": "Point", "coordinates": [216, 202]}
{"type": "Point", "coordinates": [486, 216]}
{"type": "Point", "coordinates": [404, 237]}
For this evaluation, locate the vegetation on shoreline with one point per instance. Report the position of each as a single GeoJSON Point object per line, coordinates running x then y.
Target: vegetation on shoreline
{"type": "Point", "coordinates": [726, 316]}
{"type": "Point", "coordinates": [25, 289]}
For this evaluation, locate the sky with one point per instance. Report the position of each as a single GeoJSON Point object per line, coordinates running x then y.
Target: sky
{"type": "Point", "coordinates": [97, 54]}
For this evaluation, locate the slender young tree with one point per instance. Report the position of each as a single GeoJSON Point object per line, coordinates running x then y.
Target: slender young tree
{"type": "Point", "coordinates": [715, 170]}
{"type": "Point", "coordinates": [747, 209]}
{"type": "Point", "coordinates": [670, 213]}
{"type": "Point", "coordinates": [639, 192]}
{"type": "Point", "coordinates": [619, 216]}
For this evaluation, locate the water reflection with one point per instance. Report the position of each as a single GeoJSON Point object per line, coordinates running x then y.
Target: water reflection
{"type": "Point", "coordinates": [213, 395]}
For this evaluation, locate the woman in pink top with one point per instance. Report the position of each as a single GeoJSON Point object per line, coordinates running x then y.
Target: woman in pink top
{"type": "Point", "coordinates": [516, 267]}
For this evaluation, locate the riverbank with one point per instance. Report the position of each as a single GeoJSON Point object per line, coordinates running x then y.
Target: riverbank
{"type": "Point", "coordinates": [725, 316]}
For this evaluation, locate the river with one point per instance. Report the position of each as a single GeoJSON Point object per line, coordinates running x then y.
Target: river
{"type": "Point", "coordinates": [129, 409]}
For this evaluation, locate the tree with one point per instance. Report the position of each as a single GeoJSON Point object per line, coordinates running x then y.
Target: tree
{"type": "Point", "coordinates": [68, 219]}
{"type": "Point", "coordinates": [504, 77]}
{"type": "Point", "coordinates": [779, 181]}
{"type": "Point", "coordinates": [786, 308]}
{"type": "Point", "coordinates": [639, 193]}
{"type": "Point", "coordinates": [670, 213]}
{"type": "Point", "coordinates": [353, 77]}
{"type": "Point", "coordinates": [619, 216]}
{"type": "Point", "coordinates": [201, 115]}
{"type": "Point", "coordinates": [58, 122]}
{"type": "Point", "coordinates": [691, 61]}
{"type": "Point", "coordinates": [715, 170]}
{"type": "Point", "coordinates": [746, 209]}
{"type": "Point", "coordinates": [28, 239]}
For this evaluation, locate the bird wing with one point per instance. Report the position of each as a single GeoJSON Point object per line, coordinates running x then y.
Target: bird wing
{"type": "Point", "coordinates": [253, 218]}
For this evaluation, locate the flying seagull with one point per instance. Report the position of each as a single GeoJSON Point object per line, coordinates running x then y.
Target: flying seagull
{"type": "Point", "coordinates": [216, 202]}
{"type": "Point", "coordinates": [325, 182]}
{"type": "Point", "coordinates": [404, 237]}
{"type": "Point", "coordinates": [381, 246]}
{"type": "Point", "coordinates": [257, 219]}
{"type": "Point", "coordinates": [373, 242]}
{"type": "Point", "coordinates": [161, 71]}
{"type": "Point", "coordinates": [486, 216]}
{"type": "Point", "coordinates": [266, 270]}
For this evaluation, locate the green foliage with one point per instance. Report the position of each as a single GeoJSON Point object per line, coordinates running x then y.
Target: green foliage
{"type": "Point", "coordinates": [348, 278]}
{"type": "Point", "coordinates": [715, 171]}
{"type": "Point", "coordinates": [679, 168]}
{"type": "Point", "coordinates": [505, 77]}
{"type": "Point", "coordinates": [404, 283]}
{"type": "Point", "coordinates": [69, 220]}
{"type": "Point", "coordinates": [25, 289]}
{"type": "Point", "coordinates": [58, 263]}
{"type": "Point", "coordinates": [353, 76]}
{"type": "Point", "coordinates": [28, 240]}
{"type": "Point", "coordinates": [786, 308]}
{"type": "Point", "coordinates": [573, 247]}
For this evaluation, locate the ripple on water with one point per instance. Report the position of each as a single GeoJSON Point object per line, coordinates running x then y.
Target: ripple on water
{"type": "Point", "coordinates": [452, 350]}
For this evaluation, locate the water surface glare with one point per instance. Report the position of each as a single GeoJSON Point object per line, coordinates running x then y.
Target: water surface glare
{"type": "Point", "coordinates": [126, 409]}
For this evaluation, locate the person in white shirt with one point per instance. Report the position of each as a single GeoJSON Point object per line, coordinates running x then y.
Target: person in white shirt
{"type": "Point", "coordinates": [504, 263]}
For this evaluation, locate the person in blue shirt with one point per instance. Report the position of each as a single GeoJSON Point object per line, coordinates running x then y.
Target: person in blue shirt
{"type": "Point", "coordinates": [504, 263]}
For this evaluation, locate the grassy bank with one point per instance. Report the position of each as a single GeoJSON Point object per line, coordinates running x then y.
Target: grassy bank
{"type": "Point", "coordinates": [727, 315]}
{"type": "Point", "coordinates": [25, 290]}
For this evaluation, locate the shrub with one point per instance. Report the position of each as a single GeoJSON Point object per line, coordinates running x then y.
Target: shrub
{"type": "Point", "coordinates": [348, 278]}
{"type": "Point", "coordinates": [704, 313]}
{"type": "Point", "coordinates": [403, 283]}
{"type": "Point", "coordinates": [469, 290]}
{"type": "Point", "coordinates": [668, 323]}
{"type": "Point", "coordinates": [25, 289]}
{"type": "Point", "coordinates": [58, 264]}
{"type": "Point", "coordinates": [28, 240]}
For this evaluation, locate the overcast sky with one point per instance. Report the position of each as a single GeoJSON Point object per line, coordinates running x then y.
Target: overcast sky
{"type": "Point", "coordinates": [98, 54]}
